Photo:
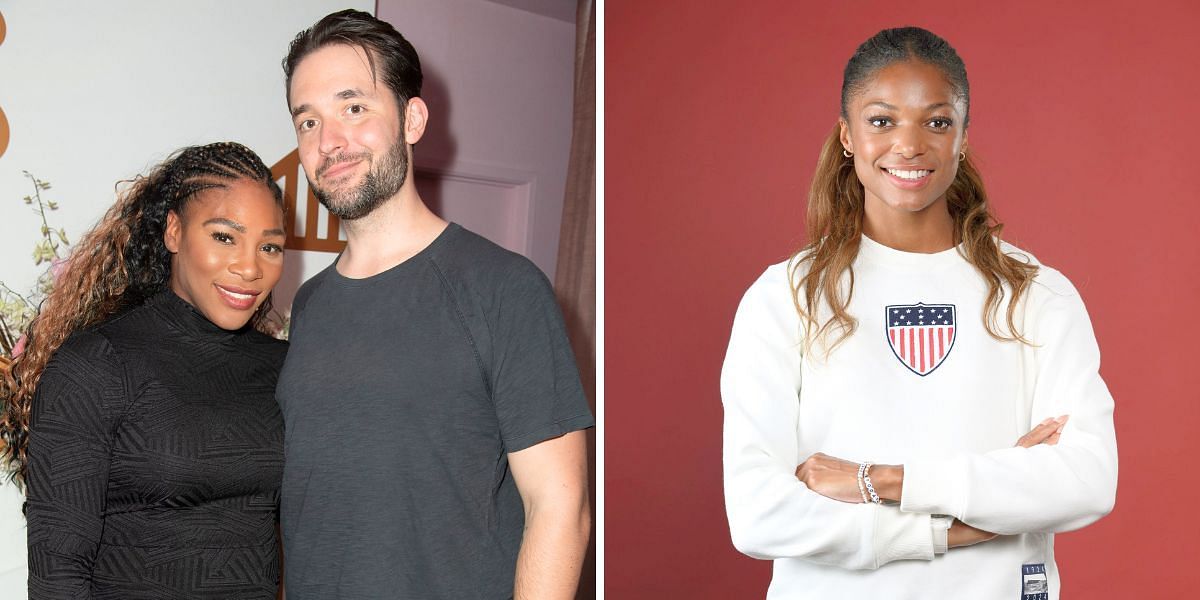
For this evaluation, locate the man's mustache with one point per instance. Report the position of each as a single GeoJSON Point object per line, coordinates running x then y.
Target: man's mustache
{"type": "Point", "coordinates": [333, 161]}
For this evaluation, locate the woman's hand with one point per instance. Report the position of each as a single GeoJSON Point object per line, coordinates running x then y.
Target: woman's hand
{"type": "Point", "coordinates": [961, 534]}
{"type": "Point", "coordinates": [1047, 432]}
{"type": "Point", "coordinates": [837, 479]}
{"type": "Point", "coordinates": [831, 477]}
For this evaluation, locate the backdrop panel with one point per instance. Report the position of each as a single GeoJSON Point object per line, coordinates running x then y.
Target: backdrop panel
{"type": "Point", "coordinates": [714, 118]}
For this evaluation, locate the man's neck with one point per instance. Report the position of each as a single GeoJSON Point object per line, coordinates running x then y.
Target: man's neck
{"type": "Point", "coordinates": [394, 232]}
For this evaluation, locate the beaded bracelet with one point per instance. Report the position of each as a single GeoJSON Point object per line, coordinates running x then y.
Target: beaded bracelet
{"type": "Point", "coordinates": [870, 488]}
{"type": "Point", "coordinates": [862, 468]}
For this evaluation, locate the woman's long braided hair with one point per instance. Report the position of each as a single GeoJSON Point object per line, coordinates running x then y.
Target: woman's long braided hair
{"type": "Point", "coordinates": [120, 263]}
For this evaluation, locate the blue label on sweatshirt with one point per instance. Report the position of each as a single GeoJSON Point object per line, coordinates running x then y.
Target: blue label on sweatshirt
{"type": "Point", "coordinates": [920, 335]}
{"type": "Point", "coordinates": [1034, 583]}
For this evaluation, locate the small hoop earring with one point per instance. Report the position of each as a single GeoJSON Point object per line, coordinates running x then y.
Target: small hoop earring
{"type": "Point", "coordinates": [847, 153]}
{"type": "Point", "coordinates": [962, 156]}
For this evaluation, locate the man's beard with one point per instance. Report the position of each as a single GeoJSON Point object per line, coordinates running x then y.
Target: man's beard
{"type": "Point", "coordinates": [385, 177]}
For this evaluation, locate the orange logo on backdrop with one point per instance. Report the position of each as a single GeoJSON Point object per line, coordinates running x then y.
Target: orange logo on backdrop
{"type": "Point", "coordinates": [288, 169]}
{"type": "Point", "coordinates": [3, 119]}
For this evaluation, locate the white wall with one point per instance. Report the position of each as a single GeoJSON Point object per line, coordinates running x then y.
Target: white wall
{"type": "Point", "coordinates": [499, 84]}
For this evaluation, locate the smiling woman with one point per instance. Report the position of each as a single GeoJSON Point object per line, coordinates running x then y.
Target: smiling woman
{"type": "Point", "coordinates": [967, 344]}
{"type": "Point", "coordinates": [142, 416]}
{"type": "Point", "coordinates": [228, 251]}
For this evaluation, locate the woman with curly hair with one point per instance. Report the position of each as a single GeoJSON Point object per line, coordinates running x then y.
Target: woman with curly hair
{"type": "Point", "coordinates": [141, 416]}
{"type": "Point", "coordinates": [874, 384]}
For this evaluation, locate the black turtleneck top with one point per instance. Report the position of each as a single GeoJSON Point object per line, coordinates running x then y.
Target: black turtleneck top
{"type": "Point", "coordinates": [155, 458]}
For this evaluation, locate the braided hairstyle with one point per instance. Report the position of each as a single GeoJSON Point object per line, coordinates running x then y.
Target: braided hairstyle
{"type": "Point", "coordinates": [117, 265]}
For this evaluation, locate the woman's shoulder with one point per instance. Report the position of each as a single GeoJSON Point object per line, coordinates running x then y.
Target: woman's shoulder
{"type": "Point", "coordinates": [770, 294]}
{"type": "Point", "coordinates": [267, 346]}
{"type": "Point", "coordinates": [1048, 280]}
{"type": "Point", "coordinates": [266, 340]}
{"type": "Point", "coordinates": [107, 343]}
{"type": "Point", "coordinates": [1051, 299]}
{"type": "Point", "coordinates": [86, 377]}
{"type": "Point", "coordinates": [774, 278]}
{"type": "Point", "coordinates": [88, 342]}
{"type": "Point", "coordinates": [87, 357]}
{"type": "Point", "coordinates": [131, 322]}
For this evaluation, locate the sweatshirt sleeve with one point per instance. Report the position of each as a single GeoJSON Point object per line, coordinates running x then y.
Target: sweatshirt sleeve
{"type": "Point", "coordinates": [73, 415]}
{"type": "Point", "coordinates": [771, 513]}
{"type": "Point", "coordinates": [1044, 488]}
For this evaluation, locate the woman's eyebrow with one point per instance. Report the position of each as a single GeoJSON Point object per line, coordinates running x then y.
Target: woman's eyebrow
{"type": "Point", "coordinates": [242, 228]}
{"type": "Point", "coordinates": [886, 106]}
{"type": "Point", "coordinates": [226, 222]}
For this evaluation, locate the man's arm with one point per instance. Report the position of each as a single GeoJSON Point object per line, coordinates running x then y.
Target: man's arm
{"type": "Point", "coordinates": [552, 477]}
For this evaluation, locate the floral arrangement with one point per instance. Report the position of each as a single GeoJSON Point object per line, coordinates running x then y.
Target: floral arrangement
{"type": "Point", "coordinates": [17, 310]}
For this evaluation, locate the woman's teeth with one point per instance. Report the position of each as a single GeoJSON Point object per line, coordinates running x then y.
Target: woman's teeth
{"type": "Point", "coordinates": [908, 174]}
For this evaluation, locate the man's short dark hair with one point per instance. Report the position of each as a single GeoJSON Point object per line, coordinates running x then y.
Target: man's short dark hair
{"type": "Point", "coordinates": [392, 59]}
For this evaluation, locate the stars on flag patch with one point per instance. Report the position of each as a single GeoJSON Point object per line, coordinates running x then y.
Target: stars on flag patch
{"type": "Point", "coordinates": [921, 335]}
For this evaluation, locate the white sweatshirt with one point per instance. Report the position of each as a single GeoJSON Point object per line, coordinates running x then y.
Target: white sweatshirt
{"type": "Point", "coordinates": [920, 383]}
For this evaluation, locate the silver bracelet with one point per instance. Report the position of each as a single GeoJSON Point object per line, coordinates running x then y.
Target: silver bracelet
{"type": "Point", "coordinates": [866, 477]}
{"type": "Point", "coordinates": [862, 469]}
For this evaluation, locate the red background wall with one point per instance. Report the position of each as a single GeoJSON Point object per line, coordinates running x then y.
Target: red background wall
{"type": "Point", "coordinates": [1084, 119]}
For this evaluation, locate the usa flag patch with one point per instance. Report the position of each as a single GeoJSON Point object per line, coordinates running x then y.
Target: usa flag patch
{"type": "Point", "coordinates": [921, 335]}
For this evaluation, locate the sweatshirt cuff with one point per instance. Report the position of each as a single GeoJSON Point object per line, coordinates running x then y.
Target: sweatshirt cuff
{"type": "Point", "coordinates": [941, 533]}
{"type": "Point", "coordinates": [901, 536]}
{"type": "Point", "coordinates": [935, 487]}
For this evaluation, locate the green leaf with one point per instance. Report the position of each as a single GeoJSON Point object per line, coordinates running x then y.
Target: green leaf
{"type": "Point", "coordinates": [62, 235]}
{"type": "Point", "coordinates": [52, 204]}
{"type": "Point", "coordinates": [45, 230]}
{"type": "Point", "coordinates": [45, 185]}
{"type": "Point", "coordinates": [44, 252]}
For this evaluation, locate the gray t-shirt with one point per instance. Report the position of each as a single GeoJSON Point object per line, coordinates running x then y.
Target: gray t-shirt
{"type": "Point", "coordinates": [402, 395]}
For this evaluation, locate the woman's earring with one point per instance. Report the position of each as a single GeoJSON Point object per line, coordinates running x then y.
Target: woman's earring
{"type": "Point", "coordinates": [962, 156]}
{"type": "Point", "coordinates": [847, 153]}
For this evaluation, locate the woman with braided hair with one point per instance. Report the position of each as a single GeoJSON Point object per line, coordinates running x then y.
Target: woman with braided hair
{"type": "Point", "coordinates": [141, 417]}
{"type": "Point", "coordinates": [875, 383]}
